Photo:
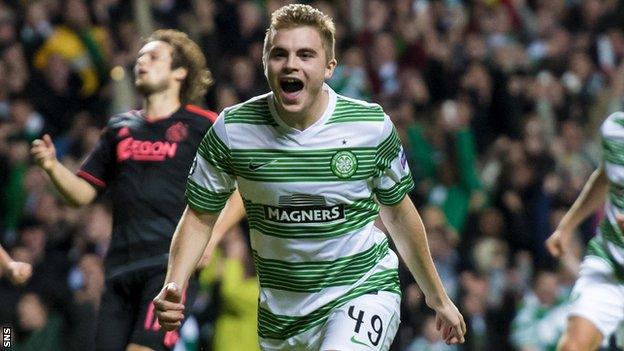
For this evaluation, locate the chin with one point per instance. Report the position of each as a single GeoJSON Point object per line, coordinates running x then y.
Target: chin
{"type": "Point", "coordinates": [293, 108]}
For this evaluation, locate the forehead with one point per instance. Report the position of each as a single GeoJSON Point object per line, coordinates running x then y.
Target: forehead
{"type": "Point", "coordinates": [156, 46]}
{"type": "Point", "coordinates": [297, 38]}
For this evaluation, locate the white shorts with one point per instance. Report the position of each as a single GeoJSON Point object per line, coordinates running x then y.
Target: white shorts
{"type": "Point", "coordinates": [597, 296]}
{"type": "Point", "coordinates": [366, 323]}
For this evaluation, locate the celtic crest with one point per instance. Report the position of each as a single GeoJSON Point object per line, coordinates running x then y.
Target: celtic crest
{"type": "Point", "coordinates": [344, 164]}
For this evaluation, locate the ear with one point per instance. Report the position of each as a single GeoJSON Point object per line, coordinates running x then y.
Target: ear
{"type": "Point", "coordinates": [330, 67]}
{"type": "Point", "coordinates": [180, 73]}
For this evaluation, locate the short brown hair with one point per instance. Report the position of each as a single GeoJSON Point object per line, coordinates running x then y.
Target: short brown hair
{"type": "Point", "coordinates": [296, 15]}
{"type": "Point", "coordinates": [186, 54]}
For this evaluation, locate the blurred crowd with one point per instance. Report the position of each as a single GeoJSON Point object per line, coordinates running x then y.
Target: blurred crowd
{"type": "Point", "coordinates": [497, 102]}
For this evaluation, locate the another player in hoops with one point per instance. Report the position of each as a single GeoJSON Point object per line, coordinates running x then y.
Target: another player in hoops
{"type": "Point", "coordinates": [598, 294]}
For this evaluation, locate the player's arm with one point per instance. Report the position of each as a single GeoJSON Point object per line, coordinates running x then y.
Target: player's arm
{"type": "Point", "coordinates": [74, 189]}
{"type": "Point", "coordinates": [588, 202]}
{"type": "Point", "coordinates": [187, 245]}
{"type": "Point", "coordinates": [231, 215]}
{"type": "Point", "coordinates": [408, 233]}
{"type": "Point", "coordinates": [17, 272]}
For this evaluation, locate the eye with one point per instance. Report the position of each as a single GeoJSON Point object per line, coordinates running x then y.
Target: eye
{"type": "Point", "coordinates": [278, 54]}
{"type": "Point", "coordinates": [306, 54]}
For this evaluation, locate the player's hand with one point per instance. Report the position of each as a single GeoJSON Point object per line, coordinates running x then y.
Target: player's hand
{"type": "Point", "coordinates": [558, 243]}
{"type": "Point", "coordinates": [19, 272]}
{"type": "Point", "coordinates": [44, 153]}
{"type": "Point", "coordinates": [451, 323]}
{"type": "Point", "coordinates": [169, 308]}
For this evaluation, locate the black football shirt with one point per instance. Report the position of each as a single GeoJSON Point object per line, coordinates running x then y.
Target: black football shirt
{"type": "Point", "coordinates": [144, 165]}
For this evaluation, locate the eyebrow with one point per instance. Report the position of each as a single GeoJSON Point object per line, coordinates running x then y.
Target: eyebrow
{"type": "Point", "coordinates": [301, 50]}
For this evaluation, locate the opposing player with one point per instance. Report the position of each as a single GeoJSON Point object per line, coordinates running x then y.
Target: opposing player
{"type": "Point", "coordinates": [598, 294]}
{"type": "Point", "coordinates": [142, 159]}
{"type": "Point", "coordinates": [309, 164]}
{"type": "Point", "coordinates": [17, 272]}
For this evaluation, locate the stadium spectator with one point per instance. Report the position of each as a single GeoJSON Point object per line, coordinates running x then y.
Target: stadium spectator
{"type": "Point", "coordinates": [540, 319]}
{"type": "Point", "coordinates": [40, 328]}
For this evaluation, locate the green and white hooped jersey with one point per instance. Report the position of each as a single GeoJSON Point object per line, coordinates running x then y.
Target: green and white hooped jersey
{"type": "Point", "coordinates": [310, 201]}
{"type": "Point", "coordinates": [609, 242]}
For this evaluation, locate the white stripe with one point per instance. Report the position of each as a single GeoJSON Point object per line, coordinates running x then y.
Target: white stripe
{"type": "Point", "coordinates": [251, 136]}
{"type": "Point", "coordinates": [309, 250]}
{"type": "Point", "coordinates": [615, 173]}
{"type": "Point", "coordinates": [210, 178]}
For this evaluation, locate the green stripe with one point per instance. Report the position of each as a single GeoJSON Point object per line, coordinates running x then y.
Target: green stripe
{"type": "Point", "coordinates": [357, 215]}
{"type": "Point", "coordinates": [215, 152]}
{"type": "Point", "coordinates": [388, 150]}
{"type": "Point", "coordinates": [204, 200]}
{"type": "Point", "coordinates": [281, 327]}
{"type": "Point", "coordinates": [350, 111]}
{"type": "Point", "coordinates": [313, 165]}
{"type": "Point", "coordinates": [597, 249]}
{"type": "Point", "coordinates": [619, 121]}
{"type": "Point", "coordinates": [613, 151]}
{"type": "Point", "coordinates": [300, 165]}
{"type": "Point", "coordinates": [316, 276]}
{"type": "Point", "coordinates": [395, 194]}
{"type": "Point", "coordinates": [611, 233]}
{"type": "Point", "coordinates": [616, 196]}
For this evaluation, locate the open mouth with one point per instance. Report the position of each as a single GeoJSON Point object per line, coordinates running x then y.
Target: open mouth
{"type": "Point", "coordinates": [291, 86]}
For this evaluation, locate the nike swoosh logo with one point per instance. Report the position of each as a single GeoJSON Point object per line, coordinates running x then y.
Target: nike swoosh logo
{"type": "Point", "coordinates": [254, 166]}
{"type": "Point", "coordinates": [356, 341]}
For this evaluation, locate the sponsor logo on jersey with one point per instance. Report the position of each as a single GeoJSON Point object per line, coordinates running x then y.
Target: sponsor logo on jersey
{"type": "Point", "coordinates": [307, 214]}
{"type": "Point", "coordinates": [145, 150]}
{"type": "Point", "coordinates": [344, 164]}
{"type": "Point", "coordinates": [303, 208]}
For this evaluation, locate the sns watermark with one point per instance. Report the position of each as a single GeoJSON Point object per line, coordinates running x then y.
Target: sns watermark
{"type": "Point", "coordinates": [7, 337]}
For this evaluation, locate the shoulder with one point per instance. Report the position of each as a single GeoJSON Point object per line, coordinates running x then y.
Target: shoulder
{"type": "Point", "coordinates": [201, 112]}
{"type": "Point", "coordinates": [613, 126]}
{"type": "Point", "coordinates": [253, 111]}
{"type": "Point", "coordinates": [354, 110]}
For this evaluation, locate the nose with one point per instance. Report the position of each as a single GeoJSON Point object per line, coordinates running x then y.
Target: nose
{"type": "Point", "coordinates": [141, 60]}
{"type": "Point", "coordinates": [291, 62]}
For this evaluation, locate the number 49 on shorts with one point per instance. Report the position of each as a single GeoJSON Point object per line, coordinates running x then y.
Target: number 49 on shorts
{"type": "Point", "coordinates": [366, 323]}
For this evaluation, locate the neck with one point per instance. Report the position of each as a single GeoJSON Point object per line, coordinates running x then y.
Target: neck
{"type": "Point", "coordinates": [161, 105]}
{"type": "Point", "coordinates": [306, 117]}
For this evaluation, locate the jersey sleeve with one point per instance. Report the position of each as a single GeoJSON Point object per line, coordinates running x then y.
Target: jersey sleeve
{"type": "Point", "coordinates": [394, 179]}
{"type": "Point", "coordinates": [211, 180]}
{"type": "Point", "coordinates": [97, 169]}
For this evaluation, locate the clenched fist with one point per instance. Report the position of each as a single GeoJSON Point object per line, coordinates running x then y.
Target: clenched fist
{"type": "Point", "coordinates": [44, 153]}
{"type": "Point", "coordinates": [169, 308]}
